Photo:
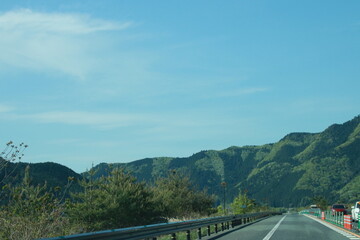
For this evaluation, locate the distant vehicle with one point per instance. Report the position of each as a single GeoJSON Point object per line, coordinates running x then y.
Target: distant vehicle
{"type": "Point", "coordinates": [314, 209]}
{"type": "Point", "coordinates": [355, 211]}
{"type": "Point", "coordinates": [340, 208]}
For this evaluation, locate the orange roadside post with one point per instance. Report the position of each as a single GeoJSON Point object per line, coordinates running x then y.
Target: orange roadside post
{"type": "Point", "coordinates": [347, 222]}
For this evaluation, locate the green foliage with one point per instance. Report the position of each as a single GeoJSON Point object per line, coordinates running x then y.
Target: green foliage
{"type": "Point", "coordinates": [321, 202]}
{"type": "Point", "coordinates": [289, 172]}
{"type": "Point", "coordinates": [350, 193]}
{"type": "Point", "coordinates": [243, 204]}
{"type": "Point", "coordinates": [55, 176]}
{"type": "Point", "coordinates": [33, 212]}
{"type": "Point", "coordinates": [113, 201]}
{"type": "Point", "coordinates": [176, 197]}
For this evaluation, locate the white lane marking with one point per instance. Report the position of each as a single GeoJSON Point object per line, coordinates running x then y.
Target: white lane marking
{"type": "Point", "coordinates": [345, 234]}
{"type": "Point", "coordinates": [268, 236]}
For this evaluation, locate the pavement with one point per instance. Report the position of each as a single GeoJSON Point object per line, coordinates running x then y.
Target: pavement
{"type": "Point", "coordinates": [286, 227]}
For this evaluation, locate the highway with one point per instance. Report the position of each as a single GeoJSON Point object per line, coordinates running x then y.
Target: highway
{"type": "Point", "coordinates": [286, 227]}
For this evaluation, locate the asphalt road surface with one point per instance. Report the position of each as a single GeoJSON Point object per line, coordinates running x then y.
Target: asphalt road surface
{"type": "Point", "coordinates": [286, 227]}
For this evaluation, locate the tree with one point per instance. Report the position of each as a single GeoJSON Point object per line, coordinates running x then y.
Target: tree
{"type": "Point", "coordinates": [114, 201]}
{"type": "Point", "coordinates": [32, 212]}
{"type": "Point", "coordinates": [177, 197]}
{"type": "Point", "coordinates": [243, 204]}
{"type": "Point", "coordinates": [11, 153]}
{"type": "Point", "coordinates": [320, 202]}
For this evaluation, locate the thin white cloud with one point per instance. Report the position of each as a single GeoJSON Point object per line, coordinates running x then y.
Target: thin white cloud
{"type": "Point", "coordinates": [242, 92]}
{"type": "Point", "coordinates": [25, 20]}
{"type": "Point", "coordinates": [106, 120]}
{"type": "Point", "coordinates": [145, 123]}
{"type": "Point", "coordinates": [5, 108]}
{"type": "Point", "coordinates": [83, 142]}
{"type": "Point", "coordinates": [114, 120]}
{"type": "Point", "coordinates": [54, 42]}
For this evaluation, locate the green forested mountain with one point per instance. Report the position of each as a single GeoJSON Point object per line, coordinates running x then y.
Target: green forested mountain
{"type": "Point", "coordinates": [290, 172]}
{"type": "Point", "coordinates": [53, 174]}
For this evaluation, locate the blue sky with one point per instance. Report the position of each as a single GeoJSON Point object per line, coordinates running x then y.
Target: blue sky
{"type": "Point", "coordinates": [85, 82]}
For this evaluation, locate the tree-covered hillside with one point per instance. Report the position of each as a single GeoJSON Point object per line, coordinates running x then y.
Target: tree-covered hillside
{"type": "Point", "coordinates": [291, 172]}
{"type": "Point", "coordinates": [53, 174]}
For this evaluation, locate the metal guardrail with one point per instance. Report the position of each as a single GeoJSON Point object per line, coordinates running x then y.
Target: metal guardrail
{"type": "Point", "coordinates": [336, 218]}
{"type": "Point", "coordinates": [314, 211]}
{"type": "Point", "coordinates": [153, 231]}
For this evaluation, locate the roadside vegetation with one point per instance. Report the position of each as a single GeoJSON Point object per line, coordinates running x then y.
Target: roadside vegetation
{"type": "Point", "coordinates": [30, 210]}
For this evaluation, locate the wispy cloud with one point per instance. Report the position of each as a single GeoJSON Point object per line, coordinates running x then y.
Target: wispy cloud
{"type": "Point", "coordinates": [5, 108]}
{"type": "Point", "coordinates": [242, 91]}
{"type": "Point", "coordinates": [53, 41]}
{"type": "Point", "coordinates": [84, 142]}
{"type": "Point", "coordinates": [103, 120]}
{"type": "Point", "coordinates": [151, 123]}
{"type": "Point", "coordinates": [25, 20]}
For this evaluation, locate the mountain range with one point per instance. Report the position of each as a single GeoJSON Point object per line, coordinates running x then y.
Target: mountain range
{"type": "Point", "coordinates": [288, 173]}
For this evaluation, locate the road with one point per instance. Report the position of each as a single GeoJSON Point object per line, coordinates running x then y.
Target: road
{"type": "Point", "coordinates": [286, 227]}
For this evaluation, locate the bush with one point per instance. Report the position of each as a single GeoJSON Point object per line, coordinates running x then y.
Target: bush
{"type": "Point", "coordinates": [177, 198]}
{"type": "Point", "coordinates": [114, 201]}
{"type": "Point", "coordinates": [33, 212]}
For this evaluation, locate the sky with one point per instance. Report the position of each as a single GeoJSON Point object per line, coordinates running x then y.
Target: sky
{"type": "Point", "coordinates": [85, 82]}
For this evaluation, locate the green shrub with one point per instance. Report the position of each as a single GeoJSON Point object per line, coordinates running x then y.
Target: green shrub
{"type": "Point", "coordinates": [33, 212]}
{"type": "Point", "coordinates": [114, 201]}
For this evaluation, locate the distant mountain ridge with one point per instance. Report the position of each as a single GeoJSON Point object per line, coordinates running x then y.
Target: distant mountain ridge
{"type": "Point", "coordinates": [287, 173]}
{"type": "Point", "coordinates": [53, 174]}
{"type": "Point", "coordinates": [290, 172]}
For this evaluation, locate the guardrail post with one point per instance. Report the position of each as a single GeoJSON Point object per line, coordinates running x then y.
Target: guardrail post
{"type": "Point", "coordinates": [153, 231]}
{"type": "Point", "coordinates": [339, 219]}
{"type": "Point", "coordinates": [199, 233]}
{"type": "Point", "coordinates": [188, 236]}
{"type": "Point", "coordinates": [342, 219]}
{"type": "Point", "coordinates": [326, 216]}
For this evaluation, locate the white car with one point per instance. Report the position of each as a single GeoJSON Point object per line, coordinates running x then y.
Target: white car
{"type": "Point", "coordinates": [355, 211]}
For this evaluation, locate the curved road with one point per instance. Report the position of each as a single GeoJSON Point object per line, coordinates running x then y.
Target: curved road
{"type": "Point", "coordinates": [286, 227]}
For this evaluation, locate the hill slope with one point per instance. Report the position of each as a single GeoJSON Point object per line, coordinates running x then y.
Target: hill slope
{"type": "Point", "coordinates": [53, 174]}
{"type": "Point", "coordinates": [289, 172]}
